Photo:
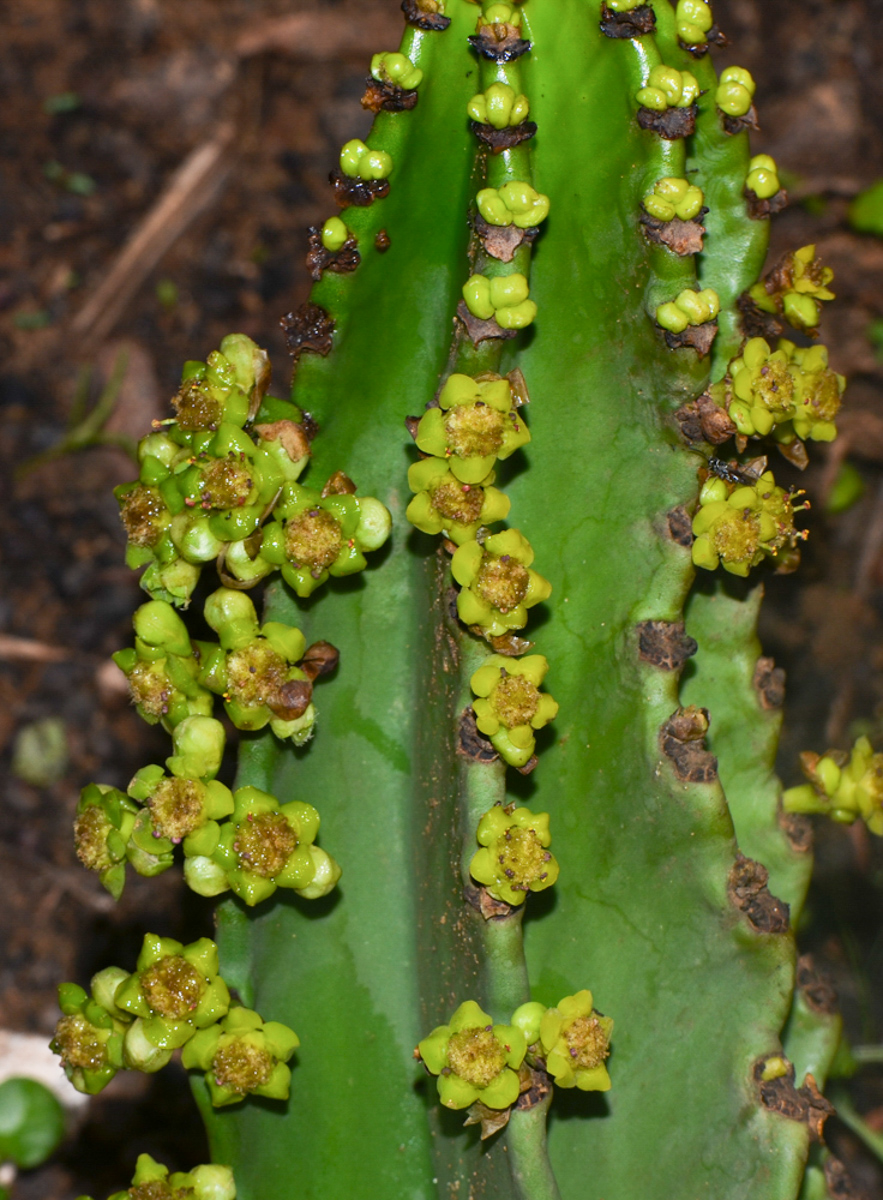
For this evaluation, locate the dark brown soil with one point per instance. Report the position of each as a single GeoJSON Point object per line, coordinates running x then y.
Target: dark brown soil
{"type": "Point", "coordinates": [150, 82]}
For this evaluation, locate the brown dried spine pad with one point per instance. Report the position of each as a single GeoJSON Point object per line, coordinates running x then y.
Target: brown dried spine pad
{"type": "Point", "coordinates": [309, 328]}
{"type": "Point", "coordinates": [769, 683]}
{"type": "Point", "coordinates": [759, 210]}
{"type": "Point", "coordinates": [665, 644]}
{"type": "Point", "coordinates": [680, 527]}
{"type": "Point", "coordinates": [734, 125]}
{"type": "Point", "coordinates": [694, 337]}
{"type": "Point", "coordinates": [501, 241]}
{"type": "Point", "coordinates": [672, 124]}
{"type": "Point", "coordinates": [841, 1186]}
{"type": "Point", "coordinates": [714, 37]}
{"type": "Point", "coordinates": [536, 1085]}
{"type": "Point", "coordinates": [479, 330]}
{"type": "Point", "coordinates": [681, 740]}
{"type": "Point", "coordinates": [320, 259]}
{"type": "Point", "coordinates": [423, 20]}
{"type": "Point", "coordinates": [748, 891]}
{"type": "Point", "coordinates": [682, 237]}
{"type": "Point", "coordinates": [816, 988]}
{"type": "Point", "coordinates": [798, 830]}
{"type": "Point", "coordinates": [756, 322]}
{"type": "Point", "coordinates": [385, 96]}
{"type": "Point", "coordinates": [704, 421]}
{"type": "Point", "coordinates": [499, 42]}
{"type": "Point", "coordinates": [498, 140]}
{"type": "Point", "coordinates": [482, 901]}
{"type": "Point", "coordinates": [471, 743]}
{"type": "Point", "coordinates": [349, 190]}
{"type": "Point", "coordinates": [627, 24]}
{"type": "Point", "coordinates": [382, 241]}
{"type": "Point", "coordinates": [805, 1104]}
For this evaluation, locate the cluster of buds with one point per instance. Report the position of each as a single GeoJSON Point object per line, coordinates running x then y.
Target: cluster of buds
{"type": "Point", "coordinates": [667, 87]}
{"type": "Point", "coordinates": [844, 787]}
{"type": "Point", "coordinates": [213, 475]}
{"type": "Point", "coordinates": [672, 198]}
{"type": "Point", "coordinates": [689, 307]}
{"type": "Point", "coordinates": [175, 998]}
{"type": "Point", "coordinates": [478, 1062]}
{"type": "Point", "coordinates": [788, 392]}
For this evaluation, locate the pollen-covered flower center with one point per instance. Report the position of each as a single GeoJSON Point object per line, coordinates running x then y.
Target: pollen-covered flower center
{"type": "Point", "coordinates": [149, 688]}
{"type": "Point", "coordinates": [515, 700]}
{"type": "Point", "coordinates": [824, 396]}
{"type": "Point", "coordinates": [256, 674]}
{"type": "Point", "coordinates": [457, 501]}
{"type": "Point", "coordinates": [476, 1056]}
{"type": "Point", "coordinates": [872, 781]}
{"type": "Point", "coordinates": [774, 386]}
{"type": "Point", "coordinates": [313, 540]}
{"type": "Point", "coordinates": [172, 987]}
{"type": "Point", "coordinates": [241, 1066]}
{"type": "Point", "coordinates": [226, 483]}
{"type": "Point", "coordinates": [736, 535]}
{"type": "Point", "coordinates": [586, 1042]}
{"type": "Point", "coordinates": [144, 515]}
{"type": "Point", "coordinates": [90, 838]}
{"type": "Point", "coordinates": [502, 582]}
{"type": "Point", "coordinates": [195, 408]}
{"type": "Point", "coordinates": [522, 857]}
{"type": "Point", "coordinates": [264, 844]}
{"type": "Point", "coordinates": [474, 430]}
{"type": "Point", "coordinates": [78, 1045]}
{"type": "Point", "coordinates": [176, 807]}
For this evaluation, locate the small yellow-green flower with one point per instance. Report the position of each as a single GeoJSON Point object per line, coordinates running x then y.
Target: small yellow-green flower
{"type": "Point", "coordinates": [511, 706]}
{"type": "Point", "coordinates": [497, 583]}
{"type": "Point", "coordinates": [514, 858]}
{"type": "Point", "coordinates": [576, 1043]}
{"type": "Point", "coordinates": [817, 392]}
{"type": "Point", "coordinates": [152, 1181]}
{"type": "Point", "coordinates": [474, 1059]}
{"type": "Point", "coordinates": [672, 198]}
{"type": "Point", "coordinates": [795, 288]}
{"type": "Point", "coordinates": [174, 991]}
{"type": "Point", "coordinates": [735, 92]}
{"type": "Point", "coordinates": [763, 387]}
{"type": "Point", "coordinates": [102, 829]}
{"type": "Point", "coordinates": [263, 846]}
{"type": "Point", "coordinates": [498, 106]}
{"type": "Point", "coordinates": [474, 424]}
{"type": "Point", "coordinates": [843, 788]}
{"type": "Point", "coordinates": [736, 527]}
{"type": "Point", "coordinates": [667, 87]}
{"type": "Point", "coordinates": [506, 298]}
{"type": "Point", "coordinates": [513, 204]}
{"type": "Point", "coordinates": [243, 1055]}
{"type": "Point", "coordinates": [88, 1039]}
{"type": "Point", "coordinates": [444, 504]}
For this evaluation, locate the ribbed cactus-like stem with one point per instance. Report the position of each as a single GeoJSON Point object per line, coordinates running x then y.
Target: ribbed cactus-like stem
{"type": "Point", "coordinates": [676, 864]}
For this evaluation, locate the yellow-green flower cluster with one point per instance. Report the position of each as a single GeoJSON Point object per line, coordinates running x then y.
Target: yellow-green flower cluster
{"type": "Point", "coordinates": [763, 176]}
{"type": "Point", "coordinates": [576, 1043]}
{"type": "Point", "coordinates": [514, 858]}
{"type": "Point", "coordinates": [735, 92]}
{"type": "Point", "coordinates": [513, 204]}
{"type": "Point", "coordinates": [694, 19]}
{"type": "Point", "coordinates": [152, 1181]}
{"type": "Point", "coordinates": [672, 198]}
{"type": "Point", "coordinates": [789, 391]}
{"type": "Point", "coordinates": [688, 308]}
{"type": "Point", "coordinates": [843, 787]}
{"type": "Point", "coordinates": [498, 106]}
{"type": "Point", "coordinates": [795, 289]}
{"type": "Point", "coordinates": [503, 298]}
{"type": "Point", "coordinates": [241, 1056]}
{"type": "Point", "coordinates": [667, 87]}
{"type": "Point", "coordinates": [739, 525]}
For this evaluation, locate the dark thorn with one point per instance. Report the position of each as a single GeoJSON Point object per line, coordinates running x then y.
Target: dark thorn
{"type": "Point", "coordinates": [503, 139]}
{"type": "Point", "coordinates": [769, 683]}
{"type": "Point", "coordinates": [471, 743]}
{"type": "Point", "coordinates": [501, 241]}
{"type": "Point", "coordinates": [382, 241]}
{"type": "Point", "coordinates": [680, 527]}
{"type": "Point", "coordinates": [748, 891]}
{"type": "Point", "coordinates": [734, 125]}
{"type": "Point", "coordinates": [479, 330]}
{"type": "Point", "coordinates": [388, 97]}
{"type": "Point", "coordinates": [627, 24]}
{"type": "Point", "coordinates": [759, 210]}
{"type": "Point", "coordinates": [816, 987]}
{"type": "Point", "coordinates": [704, 421]}
{"type": "Point", "coordinates": [499, 42]}
{"type": "Point", "coordinates": [696, 337]}
{"type": "Point", "coordinates": [681, 237]}
{"type": "Point", "coordinates": [672, 124]}
{"type": "Point", "coordinates": [341, 261]}
{"type": "Point", "coordinates": [360, 192]}
{"type": "Point", "coordinates": [309, 328]}
{"type": "Point", "coordinates": [415, 16]}
{"type": "Point", "coordinates": [665, 644]}
{"type": "Point", "coordinates": [411, 424]}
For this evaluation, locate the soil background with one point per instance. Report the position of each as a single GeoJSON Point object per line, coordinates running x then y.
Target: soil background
{"type": "Point", "coordinates": [102, 103]}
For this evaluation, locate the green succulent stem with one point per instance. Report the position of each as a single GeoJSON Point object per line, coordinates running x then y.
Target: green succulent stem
{"type": "Point", "coordinates": [532, 1174]}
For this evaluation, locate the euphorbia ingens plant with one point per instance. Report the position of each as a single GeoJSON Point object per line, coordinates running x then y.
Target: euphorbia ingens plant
{"type": "Point", "coordinates": [545, 269]}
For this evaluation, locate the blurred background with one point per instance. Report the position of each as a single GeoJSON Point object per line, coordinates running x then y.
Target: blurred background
{"type": "Point", "coordinates": [161, 163]}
